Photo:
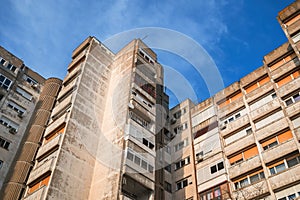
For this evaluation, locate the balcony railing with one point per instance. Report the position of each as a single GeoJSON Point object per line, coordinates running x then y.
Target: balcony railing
{"type": "Point", "coordinates": [244, 167]}
{"type": "Point", "coordinates": [286, 177]}
{"type": "Point", "coordinates": [252, 191]}
{"type": "Point", "coordinates": [50, 145]}
{"type": "Point", "coordinates": [38, 194]}
{"type": "Point", "coordinates": [41, 169]}
{"type": "Point", "coordinates": [279, 151]}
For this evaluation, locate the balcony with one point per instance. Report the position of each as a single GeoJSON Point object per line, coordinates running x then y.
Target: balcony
{"type": "Point", "coordinates": [54, 124]}
{"type": "Point", "coordinates": [147, 95]}
{"type": "Point", "coordinates": [243, 167]}
{"type": "Point", "coordinates": [238, 144]}
{"type": "Point", "coordinates": [232, 126]}
{"type": "Point", "coordinates": [249, 78]}
{"type": "Point", "coordinates": [293, 109]}
{"type": "Point", "coordinates": [289, 87]}
{"type": "Point", "coordinates": [272, 128]}
{"type": "Point", "coordinates": [231, 107]}
{"type": "Point", "coordinates": [259, 91]}
{"type": "Point", "coordinates": [41, 168]}
{"type": "Point", "coordinates": [290, 65]}
{"type": "Point", "coordinates": [62, 105]}
{"type": "Point", "coordinates": [141, 111]}
{"type": "Point", "coordinates": [293, 27]}
{"type": "Point", "coordinates": [279, 151]}
{"type": "Point", "coordinates": [252, 191]}
{"type": "Point", "coordinates": [40, 194]}
{"type": "Point", "coordinates": [265, 109]}
{"type": "Point", "coordinates": [50, 145]}
{"type": "Point", "coordinates": [286, 177]}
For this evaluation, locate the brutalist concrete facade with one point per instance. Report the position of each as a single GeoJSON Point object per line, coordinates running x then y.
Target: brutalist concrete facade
{"type": "Point", "coordinates": [111, 135]}
{"type": "Point", "coordinates": [20, 89]}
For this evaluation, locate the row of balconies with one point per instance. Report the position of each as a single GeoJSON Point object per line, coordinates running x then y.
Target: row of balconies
{"type": "Point", "coordinates": [49, 146]}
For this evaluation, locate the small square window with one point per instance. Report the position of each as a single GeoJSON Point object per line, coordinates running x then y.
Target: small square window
{"type": "Point", "coordinates": [137, 160]}
{"type": "Point", "coordinates": [129, 156]}
{"type": "Point", "coordinates": [213, 169]}
{"type": "Point", "coordinates": [238, 115]}
{"type": "Point", "coordinates": [220, 166]}
{"type": "Point", "coordinates": [274, 95]}
{"type": "Point", "coordinates": [249, 131]}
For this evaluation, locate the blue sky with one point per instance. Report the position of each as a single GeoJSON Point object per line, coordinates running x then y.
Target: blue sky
{"type": "Point", "coordinates": [235, 33]}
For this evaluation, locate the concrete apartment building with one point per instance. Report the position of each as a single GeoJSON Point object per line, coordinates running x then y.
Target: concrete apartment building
{"type": "Point", "coordinates": [19, 92]}
{"type": "Point", "coordinates": [106, 131]}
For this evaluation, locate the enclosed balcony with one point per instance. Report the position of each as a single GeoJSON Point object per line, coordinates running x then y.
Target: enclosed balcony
{"type": "Point", "coordinates": [279, 151]}
{"type": "Point", "coordinates": [250, 192]}
{"type": "Point", "coordinates": [284, 178]}
{"type": "Point", "coordinates": [259, 91]}
{"type": "Point", "coordinates": [55, 142]}
{"type": "Point", "coordinates": [238, 144]}
{"type": "Point", "coordinates": [232, 126]}
{"type": "Point", "coordinates": [40, 194]}
{"type": "Point", "coordinates": [293, 109]}
{"type": "Point", "coordinates": [289, 87]}
{"type": "Point", "coordinates": [265, 109]}
{"type": "Point", "coordinates": [42, 168]}
{"type": "Point", "coordinates": [231, 107]}
{"type": "Point", "coordinates": [243, 167]}
{"type": "Point", "coordinates": [272, 128]}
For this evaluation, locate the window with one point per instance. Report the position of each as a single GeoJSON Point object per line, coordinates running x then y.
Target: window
{"type": "Point", "coordinates": [181, 145]}
{"type": "Point", "coordinates": [232, 118]}
{"type": "Point", "coordinates": [4, 143]}
{"type": "Point", "coordinates": [5, 82]}
{"type": "Point", "coordinates": [2, 61]}
{"type": "Point", "coordinates": [25, 94]}
{"type": "Point", "coordinates": [181, 184]}
{"type": "Point", "coordinates": [16, 107]}
{"type": "Point", "coordinates": [282, 137]}
{"type": "Point", "coordinates": [168, 168]}
{"type": "Point", "coordinates": [249, 131]}
{"type": "Point", "coordinates": [179, 113]}
{"type": "Point", "coordinates": [138, 160]}
{"type": "Point", "coordinates": [249, 179]}
{"type": "Point", "coordinates": [278, 167]}
{"type": "Point", "coordinates": [9, 124]}
{"type": "Point", "coordinates": [29, 79]}
{"type": "Point", "coordinates": [148, 144]}
{"type": "Point", "coordinates": [213, 194]}
{"type": "Point", "coordinates": [217, 167]}
{"type": "Point", "coordinates": [293, 161]}
{"type": "Point", "coordinates": [139, 120]}
{"type": "Point", "coordinates": [180, 128]}
{"type": "Point", "coordinates": [182, 163]}
{"type": "Point", "coordinates": [168, 187]}
{"type": "Point", "coordinates": [292, 99]}
{"type": "Point", "coordinates": [11, 67]}
{"type": "Point", "coordinates": [244, 155]}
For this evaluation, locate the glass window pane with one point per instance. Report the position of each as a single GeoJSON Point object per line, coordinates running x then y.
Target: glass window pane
{"type": "Point", "coordinates": [292, 162]}
{"type": "Point", "coordinates": [220, 166]}
{"type": "Point", "coordinates": [292, 196]}
{"type": "Point", "coordinates": [217, 192]}
{"type": "Point", "coordinates": [213, 169]}
{"type": "Point", "coordinates": [254, 178]}
{"type": "Point", "coordinates": [280, 168]}
{"type": "Point", "coordinates": [130, 156]}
